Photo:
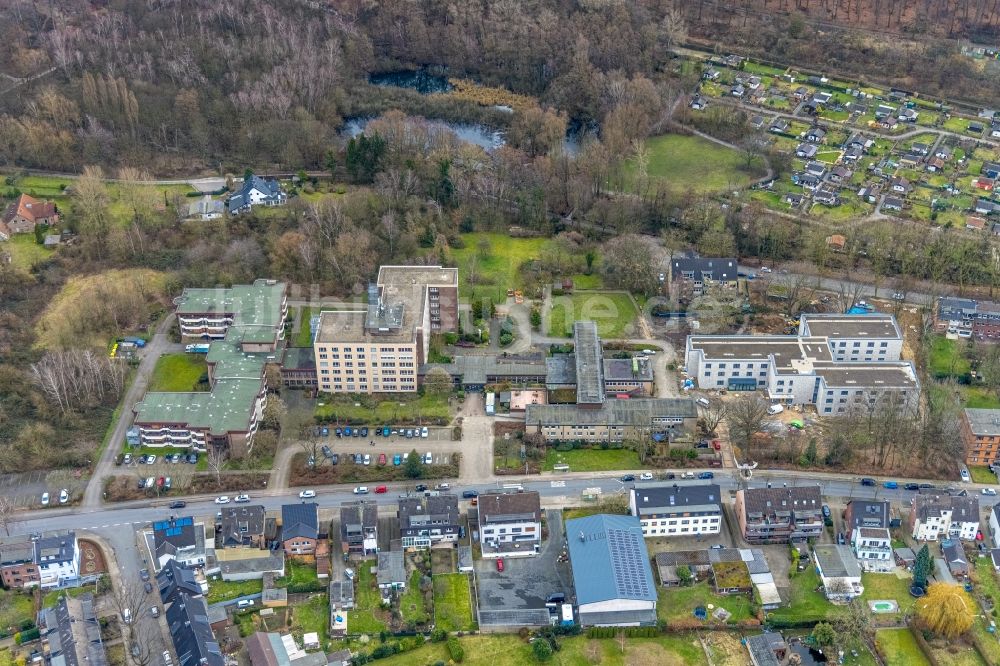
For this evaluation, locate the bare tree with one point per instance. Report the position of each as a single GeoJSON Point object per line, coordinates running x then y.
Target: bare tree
{"type": "Point", "coordinates": [216, 459]}
{"type": "Point", "coordinates": [746, 418]}
{"type": "Point", "coordinates": [6, 513]}
{"type": "Point", "coordinates": [130, 600]}
{"type": "Point", "coordinates": [310, 444]}
{"type": "Point", "coordinates": [795, 290]}
{"type": "Point", "coordinates": [713, 416]}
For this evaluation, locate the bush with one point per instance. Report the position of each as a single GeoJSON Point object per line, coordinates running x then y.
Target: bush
{"type": "Point", "coordinates": [385, 650]}
{"type": "Point", "coordinates": [439, 635]}
{"type": "Point", "coordinates": [542, 649]}
{"type": "Point", "coordinates": [22, 637]}
{"type": "Point", "coordinates": [456, 650]}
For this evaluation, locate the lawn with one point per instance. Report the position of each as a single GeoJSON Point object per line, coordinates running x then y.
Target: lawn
{"type": "Point", "coordinates": [304, 337]}
{"type": "Point", "coordinates": [899, 648]}
{"type": "Point", "coordinates": [592, 460]}
{"type": "Point", "coordinates": [178, 372]}
{"type": "Point", "coordinates": [411, 603]}
{"type": "Point", "coordinates": [509, 650]}
{"type": "Point", "coordinates": [689, 163]}
{"type": "Point", "coordinates": [490, 271]}
{"type": "Point", "coordinates": [51, 598]}
{"type": "Point", "coordinates": [312, 616]}
{"type": "Point", "coordinates": [982, 474]}
{"type": "Point", "coordinates": [979, 397]}
{"type": "Point", "coordinates": [948, 358]}
{"type": "Point", "coordinates": [25, 252]}
{"type": "Point", "coordinates": [365, 617]}
{"type": "Point", "coordinates": [613, 312]}
{"type": "Point", "coordinates": [807, 604]}
{"type": "Point", "coordinates": [888, 586]}
{"type": "Point", "coordinates": [383, 409]}
{"type": "Point", "coordinates": [300, 575]}
{"type": "Point", "coordinates": [453, 602]}
{"type": "Point", "coordinates": [224, 590]}
{"type": "Point", "coordinates": [15, 609]}
{"type": "Point", "coordinates": [678, 603]}
{"type": "Point", "coordinates": [584, 281]}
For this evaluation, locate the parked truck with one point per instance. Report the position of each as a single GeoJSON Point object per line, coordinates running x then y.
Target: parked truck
{"type": "Point", "coordinates": [201, 348]}
{"type": "Point", "coordinates": [567, 615]}
{"type": "Point", "coordinates": [138, 342]}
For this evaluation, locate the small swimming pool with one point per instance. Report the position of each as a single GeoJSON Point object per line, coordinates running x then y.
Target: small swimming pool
{"type": "Point", "coordinates": [883, 606]}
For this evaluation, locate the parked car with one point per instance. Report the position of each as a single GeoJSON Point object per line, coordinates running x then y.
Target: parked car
{"type": "Point", "coordinates": [409, 433]}
{"type": "Point", "coordinates": [338, 432]}
{"type": "Point", "coordinates": [242, 499]}
{"type": "Point", "coordinates": [361, 490]}
{"type": "Point", "coordinates": [646, 476]}
{"type": "Point", "coordinates": [327, 451]}
{"type": "Point", "coordinates": [826, 511]}
{"type": "Point", "coordinates": [150, 459]}
{"type": "Point", "coordinates": [990, 492]}
{"type": "Point", "coordinates": [364, 432]}
{"type": "Point", "coordinates": [443, 486]}
{"type": "Point", "coordinates": [469, 494]}
{"type": "Point", "coordinates": [368, 459]}
{"type": "Point", "coordinates": [380, 490]}
{"type": "Point", "coordinates": [628, 477]}
{"type": "Point", "coordinates": [841, 539]}
{"type": "Point", "coordinates": [334, 459]}
{"type": "Point", "coordinates": [924, 486]}
{"type": "Point", "coordinates": [420, 487]}
{"type": "Point", "coordinates": [500, 564]}
{"type": "Point", "coordinates": [307, 494]}
{"type": "Point", "coordinates": [178, 504]}
{"type": "Point", "coordinates": [144, 574]}
{"type": "Point", "coordinates": [147, 586]}
{"type": "Point", "coordinates": [428, 458]}
{"type": "Point", "coordinates": [386, 431]}
{"type": "Point", "coordinates": [775, 409]}
{"type": "Point", "coordinates": [192, 458]}
{"type": "Point", "coordinates": [359, 459]}
{"type": "Point", "coordinates": [63, 496]}
{"type": "Point", "coordinates": [890, 485]}
{"type": "Point", "coordinates": [45, 499]}
{"type": "Point", "coordinates": [381, 459]}
{"type": "Point", "coordinates": [687, 475]}
{"type": "Point", "coordinates": [912, 486]}
{"type": "Point", "coordinates": [397, 459]}
{"type": "Point", "coordinates": [867, 481]}
{"type": "Point", "coordinates": [965, 475]}
{"type": "Point", "coordinates": [222, 499]}
{"type": "Point", "coordinates": [325, 432]}
{"type": "Point", "coordinates": [168, 483]}
{"type": "Point", "coordinates": [423, 432]}
{"type": "Point", "coordinates": [356, 432]}
{"type": "Point", "coordinates": [154, 611]}
{"type": "Point", "coordinates": [127, 459]}
{"type": "Point", "coordinates": [244, 603]}
{"type": "Point", "coordinates": [707, 475]}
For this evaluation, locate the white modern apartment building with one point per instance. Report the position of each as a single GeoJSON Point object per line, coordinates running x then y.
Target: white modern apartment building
{"type": "Point", "coordinates": [58, 560]}
{"type": "Point", "coordinates": [873, 548]}
{"type": "Point", "coordinates": [677, 509]}
{"type": "Point", "coordinates": [510, 523]}
{"type": "Point", "coordinates": [855, 360]}
{"type": "Point", "coordinates": [943, 516]}
{"type": "Point", "coordinates": [378, 349]}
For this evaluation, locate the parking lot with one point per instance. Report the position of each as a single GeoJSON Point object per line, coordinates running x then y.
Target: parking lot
{"type": "Point", "coordinates": [517, 595]}
{"type": "Point", "coordinates": [26, 488]}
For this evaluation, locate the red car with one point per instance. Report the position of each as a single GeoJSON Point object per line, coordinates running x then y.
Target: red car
{"type": "Point", "coordinates": [381, 459]}
{"type": "Point", "coordinates": [380, 489]}
{"type": "Point", "coordinates": [159, 482]}
{"type": "Point", "coordinates": [500, 565]}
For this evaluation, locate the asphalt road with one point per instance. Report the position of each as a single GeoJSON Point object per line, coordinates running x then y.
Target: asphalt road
{"type": "Point", "coordinates": [837, 285]}
{"type": "Point", "coordinates": [555, 491]}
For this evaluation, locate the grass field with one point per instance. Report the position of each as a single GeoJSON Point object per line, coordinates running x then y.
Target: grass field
{"type": "Point", "coordinates": [981, 474]}
{"type": "Point", "coordinates": [25, 252]}
{"type": "Point", "coordinates": [806, 603]}
{"type": "Point", "coordinates": [509, 650]}
{"type": "Point", "coordinates": [888, 586]}
{"type": "Point", "coordinates": [592, 460]}
{"type": "Point", "coordinates": [947, 358]}
{"type": "Point", "coordinates": [689, 163]}
{"type": "Point", "coordinates": [15, 608]}
{"type": "Point", "coordinates": [678, 603]}
{"type": "Point", "coordinates": [979, 397]}
{"type": "Point", "coordinates": [365, 617]}
{"type": "Point", "coordinates": [299, 574]}
{"type": "Point", "coordinates": [411, 603]}
{"type": "Point", "coordinates": [312, 616]}
{"type": "Point", "coordinates": [899, 648]}
{"type": "Point", "coordinates": [224, 590]}
{"type": "Point", "coordinates": [304, 337]}
{"type": "Point", "coordinates": [489, 274]}
{"type": "Point", "coordinates": [453, 602]}
{"type": "Point", "coordinates": [383, 409]}
{"type": "Point", "coordinates": [178, 372]}
{"type": "Point", "coordinates": [613, 312]}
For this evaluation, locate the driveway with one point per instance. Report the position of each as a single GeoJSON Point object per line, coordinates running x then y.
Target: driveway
{"type": "Point", "coordinates": [517, 596]}
{"type": "Point", "coordinates": [160, 344]}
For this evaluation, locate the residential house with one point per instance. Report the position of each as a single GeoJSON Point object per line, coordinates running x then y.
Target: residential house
{"type": "Point", "coordinates": [425, 521]}
{"type": "Point", "coordinates": [990, 169]}
{"type": "Point", "coordinates": [866, 513]}
{"type": "Point", "coordinates": [359, 528]}
{"type": "Point", "coordinates": [753, 82]}
{"type": "Point", "coordinates": [857, 108]}
{"type": "Point", "coordinates": [510, 523]}
{"type": "Point", "coordinates": [985, 206]}
{"type": "Point", "coordinates": [71, 633]}
{"type": "Point", "coordinates": [995, 558]}
{"type": "Point", "coordinates": [191, 632]}
{"type": "Point", "coordinates": [986, 184]}
{"type": "Point", "coordinates": [975, 223]}
{"type": "Point", "coordinates": [975, 128]}
{"type": "Point", "coordinates": [826, 196]}
{"type": "Point", "coordinates": [910, 160]}
{"type": "Point", "coordinates": [892, 203]}
{"type": "Point", "coordinates": [175, 578]}
{"type": "Point", "coordinates": [611, 571]}
{"type": "Point", "coordinates": [807, 181]}
{"type": "Point", "coordinates": [697, 274]}
{"type": "Point", "coordinates": [17, 563]}
{"type": "Point", "coordinates": [821, 97]}
{"type": "Point", "coordinates": [667, 564]}
{"type": "Point", "coordinates": [944, 516]}
{"type": "Point", "coordinates": [806, 150]}
{"type": "Point", "coordinates": [801, 92]}
{"type": "Point", "coordinates": [246, 564]}
{"type": "Point", "coordinates": [179, 539]}
{"type": "Point", "coordinates": [836, 242]}
{"type": "Point", "coordinates": [274, 649]}
{"type": "Point", "coordinates": [768, 649]}
{"type": "Point", "coordinates": [817, 169]}
{"type": "Point", "coordinates": [779, 126]}
{"type": "Point", "coordinates": [757, 567]}
{"type": "Point", "coordinates": [25, 213]}
{"type": "Point", "coordinates": [256, 191]}
{"type": "Point", "coordinates": [994, 525]}
{"type": "Point", "coordinates": [873, 548]}
{"type": "Point", "coordinates": [883, 111]}
{"type": "Point", "coordinates": [943, 153]}
{"type": "Point", "coordinates": [731, 577]}
{"type": "Point", "coordinates": [738, 90]}
{"type": "Point", "coordinates": [391, 571]}
{"type": "Point", "coordinates": [908, 115]}
{"type": "Point", "coordinates": [839, 572]}
{"type": "Point", "coordinates": [954, 556]}
{"type": "Point", "coordinates": [677, 509]}
{"type": "Point", "coordinates": [242, 526]}
{"type": "Point", "coordinates": [900, 185]}
{"type": "Point", "coordinates": [299, 528]}
{"type": "Point", "coordinates": [816, 135]}
{"type": "Point", "coordinates": [757, 122]}
{"type": "Point", "coordinates": [922, 149]}
{"type": "Point", "coordinates": [840, 174]}
{"type": "Point", "coordinates": [57, 559]}
{"type": "Point", "coordinates": [711, 74]}
{"type": "Point", "coordinates": [206, 208]}
{"type": "Point", "coordinates": [793, 199]}
{"type": "Point", "coordinates": [853, 153]}
{"type": "Point", "coordinates": [698, 103]}
{"type": "Point", "coordinates": [779, 515]}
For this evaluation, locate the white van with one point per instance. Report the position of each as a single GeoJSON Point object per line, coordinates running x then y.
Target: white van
{"type": "Point", "coordinates": [775, 409]}
{"type": "Point", "coordinates": [704, 402]}
{"type": "Point", "coordinates": [244, 603]}
{"type": "Point", "coordinates": [127, 616]}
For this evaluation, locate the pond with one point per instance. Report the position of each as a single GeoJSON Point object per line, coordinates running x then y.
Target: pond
{"type": "Point", "coordinates": [420, 80]}
{"type": "Point", "coordinates": [479, 135]}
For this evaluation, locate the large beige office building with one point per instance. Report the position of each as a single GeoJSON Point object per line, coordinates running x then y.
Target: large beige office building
{"type": "Point", "coordinates": [379, 348]}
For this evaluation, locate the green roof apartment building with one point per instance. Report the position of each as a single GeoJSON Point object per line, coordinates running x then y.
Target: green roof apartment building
{"type": "Point", "coordinates": [379, 348]}
{"type": "Point", "coordinates": [245, 324]}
